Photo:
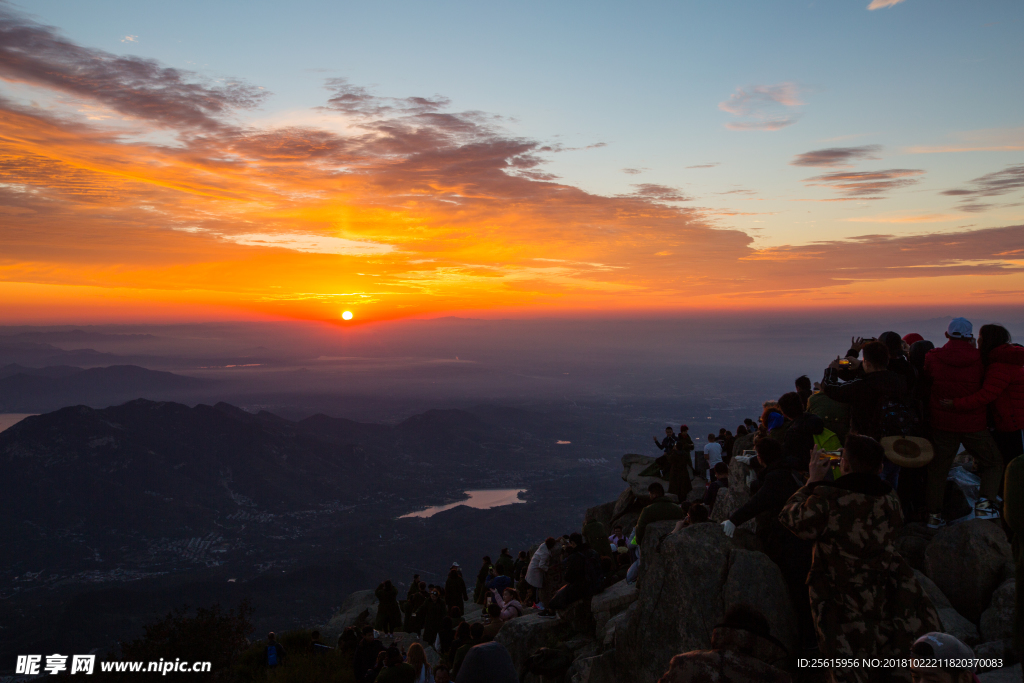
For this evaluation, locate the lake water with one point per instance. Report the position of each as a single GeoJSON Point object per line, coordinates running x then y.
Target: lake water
{"type": "Point", "coordinates": [481, 500]}
{"type": "Point", "coordinates": [11, 419]}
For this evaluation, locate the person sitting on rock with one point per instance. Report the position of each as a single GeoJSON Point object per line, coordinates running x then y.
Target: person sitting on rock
{"type": "Point", "coordinates": [487, 663]}
{"type": "Point", "coordinates": [366, 656]}
{"type": "Point", "coordinates": [721, 481]}
{"type": "Point", "coordinates": [492, 622]}
{"type": "Point", "coordinates": [658, 510]}
{"type": "Point", "coordinates": [853, 523]}
{"type": "Point", "coordinates": [509, 604]}
{"type": "Point", "coordinates": [742, 649]}
{"type": "Point", "coordinates": [575, 587]}
{"type": "Point", "coordinates": [779, 478]}
{"type": "Point", "coordinates": [941, 658]}
{"type": "Point", "coordinates": [476, 634]}
{"type": "Point", "coordinates": [395, 670]}
{"type": "Point", "coordinates": [595, 533]}
{"type": "Point", "coordinates": [616, 536]}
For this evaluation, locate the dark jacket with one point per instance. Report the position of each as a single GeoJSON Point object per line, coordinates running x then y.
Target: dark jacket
{"type": "Point", "coordinates": [455, 591]}
{"type": "Point", "coordinates": [864, 596]}
{"type": "Point", "coordinates": [1003, 388]}
{"type": "Point", "coordinates": [798, 442]}
{"type": "Point", "coordinates": [955, 371]}
{"type": "Point", "coordinates": [866, 397]}
{"type": "Point", "coordinates": [576, 566]}
{"type": "Point", "coordinates": [711, 494]}
{"type": "Point", "coordinates": [660, 509]}
{"type": "Point", "coordinates": [835, 415]}
{"type": "Point", "coordinates": [505, 564]}
{"type": "Point", "coordinates": [431, 614]}
{"type": "Point", "coordinates": [366, 657]}
{"type": "Point", "coordinates": [774, 485]}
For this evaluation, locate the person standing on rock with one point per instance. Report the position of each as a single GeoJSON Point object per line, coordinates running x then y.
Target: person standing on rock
{"type": "Point", "coordinates": [955, 371]}
{"type": "Point", "coordinates": [668, 443]}
{"type": "Point", "coordinates": [389, 612]}
{"type": "Point", "coordinates": [658, 510]}
{"type": "Point", "coordinates": [505, 564]}
{"type": "Point", "coordinates": [538, 568]}
{"type": "Point", "coordinates": [522, 562]}
{"type": "Point", "coordinates": [712, 453]}
{"type": "Point", "coordinates": [455, 594]}
{"type": "Point", "coordinates": [865, 599]}
{"type": "Point", "coordinates": [680, 471]}
{"type": "Point", "coordinates": [431, 615]}
{"type": "Point", "coordinates": [481, 579]}
{"type": "Point", "coordinates": [779, 479]}
{"type": "Point", "coordinates": [799, 439]}
{"type": "Point", "coordinates": [575, 587]}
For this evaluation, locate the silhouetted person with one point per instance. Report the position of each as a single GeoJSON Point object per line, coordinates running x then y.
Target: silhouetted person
{"type": "Point", "coordinates": [455, 594]}
{"type": "Point", "coordinates": [274, 652]}
{"type": "Point", "coordinates": [365, 658]}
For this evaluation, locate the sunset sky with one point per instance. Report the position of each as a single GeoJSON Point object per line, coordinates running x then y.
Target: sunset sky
{"type": "Point", "coordinates": [241, 160]}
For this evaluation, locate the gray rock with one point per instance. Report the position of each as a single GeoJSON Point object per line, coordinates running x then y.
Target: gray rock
{"type": "Point", "coordinates": [955, 624]}
{"type": "Point", "coordinates": [349, 613]}
{"type": "Point", "coordinates": [968, 561]}
{"type": "Point", "coordinates": [697, 492]}
{"type": "Point", "coordinates": [602, 513]}
{"type": "Point", "coordinates": [750, 574]}
{"type": "Point", "coordinates": [614, 623]}
{"type": "Point", "coordinates": [625, 501]}
{"type": "Point", "coordinates": [1009, 674]}
{"type": "Point", "coordinates": [998, 649]}
{"type": "Point", "coordinates": [683, 590]}
{"type": "Point", "coordinates": [912, 542]}
{"type": "Point", "coordinates": [997, 620]}
{"type": "Point", "coordinates": [525, 635]}
{"type": "Point", "coordinates": [632, 466]}
{"type": "Point", "coordinates": [937, 597]}
{"type": "Point", "coordinates": [613, 600]}
{"type": "Point", "coordinates": [599, 669]}
{"type": "Point", "coordinates": [739, 471]}
{"type": "Point", "coordinates": [727, 502]}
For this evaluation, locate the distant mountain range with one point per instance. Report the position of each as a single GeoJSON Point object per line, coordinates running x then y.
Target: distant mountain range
{"type": "Point", "coordinates": [36, 390]}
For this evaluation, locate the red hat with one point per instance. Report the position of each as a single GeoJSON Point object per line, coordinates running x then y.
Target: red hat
{"type": "Point", "coordinates": [912, 338]}
{"type": "Point", "coordinates": [684, 428]}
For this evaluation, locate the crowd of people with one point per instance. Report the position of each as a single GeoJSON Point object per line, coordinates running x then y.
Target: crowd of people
{"type": "Point", "coordinates": [839, 466]}
{"type": "Point", "coordinates": [836, 469]}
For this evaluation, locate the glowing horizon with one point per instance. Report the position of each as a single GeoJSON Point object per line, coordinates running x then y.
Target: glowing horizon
{"type": "Point", "coordinates": [135, 189]}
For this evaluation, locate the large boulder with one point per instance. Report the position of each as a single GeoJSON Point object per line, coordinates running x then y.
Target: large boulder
{"type": "Point", "coordinates": [609, 602]}
{"type": "Point", "coordinates": [1009, 674]}
{"type": "Point", "coordinates": [526, 634]}
{"type": "Point", "coordinates": [354, 606]}
{"type": "Point", "coordinates": [997, 620]}
{"type": "Point", "coordinates": [632, 466]}
{"type": "Point", "coordinates": [938, 598]}
{"type": "Point", "coordinates": [602, 513]}
{"type": "Point", "coordinates": [998, 649]}
{"type": "Point", "coordinates": [739, 473]}
{"type": "Point", "coordinates": [619, 620]}
{"type": "Point", "coordinates": [599, 669]}
{"type": "Point", "coordinates": [698, 486]}
{"type": "Point", "coordinates": [955, 624]}
{"type": "Point", "coordinates": [625, 501]}
{"type": "Point", "coordinates": [912, 542]}
{"type": "Point", "coordinates": [727, 502]}
{"type": "Point", "coordinates": [687, 581]}
{"type": "Point", "coordinates": [968, 561]}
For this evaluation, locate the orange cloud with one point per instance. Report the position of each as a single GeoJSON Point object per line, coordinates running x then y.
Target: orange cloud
{"type": "Point", "coordinates": [172, 205]}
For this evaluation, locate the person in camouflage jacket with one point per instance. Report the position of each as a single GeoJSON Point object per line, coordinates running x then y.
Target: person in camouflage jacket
{"type": "Point", "coordinates": [864, 597]}
{"type": "Point", "coordinates": [742, 651]}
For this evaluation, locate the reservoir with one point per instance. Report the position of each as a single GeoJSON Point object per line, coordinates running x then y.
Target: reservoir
{"type": "Point", "coordinates": [481, 500]}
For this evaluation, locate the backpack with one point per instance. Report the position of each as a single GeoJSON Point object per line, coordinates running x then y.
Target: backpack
{"type": "Point", "coordinates": [897, 418]}
{"type": "Point", "coordinates": [272, 655]}
{"type": "Point", "coordinates": [594, 573]}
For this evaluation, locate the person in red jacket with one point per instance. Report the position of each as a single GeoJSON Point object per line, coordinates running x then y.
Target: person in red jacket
{"type": "Point", "coordinates": [1003, 388]}
{"type": "Point", "coordinates": [955, 371]}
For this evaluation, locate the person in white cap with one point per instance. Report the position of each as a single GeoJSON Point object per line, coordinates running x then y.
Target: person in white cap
{"type": "Point", "coordinates": [955, 370]}
{"type": "Point", "coordinates": [941, 658]}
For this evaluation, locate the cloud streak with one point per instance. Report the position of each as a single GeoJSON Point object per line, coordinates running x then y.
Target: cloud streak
{"type": "Point", "coordinates": [864, 184]}
{"type": "Point", "coordinates": [836, 157]}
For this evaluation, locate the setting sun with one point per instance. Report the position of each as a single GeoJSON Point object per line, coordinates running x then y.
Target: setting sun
{"type": "Point", "coordinates": [347, 315]}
